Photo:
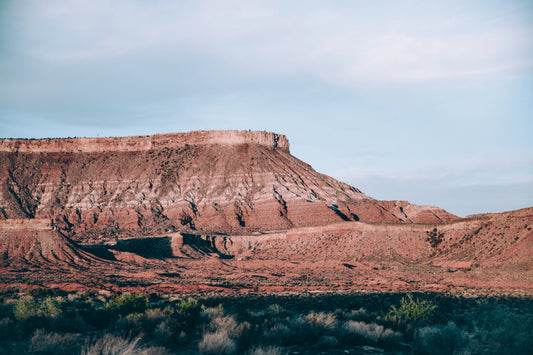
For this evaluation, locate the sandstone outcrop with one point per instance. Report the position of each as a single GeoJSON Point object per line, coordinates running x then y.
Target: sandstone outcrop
{"type": "Point", "coordinates": [227, 182]}
{"type": "Point", "coordinates": [35, 243]}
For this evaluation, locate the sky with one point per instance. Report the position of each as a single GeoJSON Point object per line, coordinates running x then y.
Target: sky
{"type": "Point", "coordinates": [425, 101]}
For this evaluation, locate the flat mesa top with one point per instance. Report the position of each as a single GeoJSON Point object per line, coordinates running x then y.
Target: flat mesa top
{"type": "Point", "coordinates": [143, 143]}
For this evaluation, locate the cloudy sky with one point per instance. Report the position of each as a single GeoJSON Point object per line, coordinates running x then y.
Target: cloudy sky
{"type": "Point", "coordinates": [426, 101]}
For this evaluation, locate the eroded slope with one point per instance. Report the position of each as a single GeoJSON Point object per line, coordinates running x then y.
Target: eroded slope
{"type": "Point", "coordinates": [227, 182]}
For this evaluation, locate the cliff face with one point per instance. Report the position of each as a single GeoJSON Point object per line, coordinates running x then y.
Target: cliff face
{"type": "Point", "coordinates": [213, 181]}
{"type": "Point", "coordinates": [144, 143]}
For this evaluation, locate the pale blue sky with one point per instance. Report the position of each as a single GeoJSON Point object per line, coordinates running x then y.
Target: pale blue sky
{"type": "Point", "coordinates": [425, 101]}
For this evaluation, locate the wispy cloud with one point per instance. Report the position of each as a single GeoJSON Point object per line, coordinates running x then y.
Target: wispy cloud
{"type": "Point", "coordinates": [459, 172]}
{"type": "Point", "coordinates": [337, 44]}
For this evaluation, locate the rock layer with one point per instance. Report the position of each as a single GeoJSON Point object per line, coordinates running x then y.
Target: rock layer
{"type": "Point", "coordinates": [229, 182]}
{"type": "Point", "coordinates": [34, 242]}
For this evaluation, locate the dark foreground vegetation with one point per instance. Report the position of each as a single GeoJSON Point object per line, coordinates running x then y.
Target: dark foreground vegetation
{"type": "Point", "coordinates": [49, 321]}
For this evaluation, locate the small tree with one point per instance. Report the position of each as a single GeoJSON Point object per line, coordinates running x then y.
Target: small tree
{"type": "Point", "coordinates": [411, 311]}
{"type": "Point", "coordinates": [128, 303]}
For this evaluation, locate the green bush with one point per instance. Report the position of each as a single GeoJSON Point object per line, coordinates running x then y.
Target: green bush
{"type": "Point", "coordinates": [25, 308]}
{"type": "Point", "coordinates": [128, 303]}
{"type": "Point", "coordinates": [190, 306]}
{"type": "Point", "coordinates": [50, 307]}
{"type": "Point", "coordinates": [411, 311]}
{"type": "Point", "coordinates": [276, 309]}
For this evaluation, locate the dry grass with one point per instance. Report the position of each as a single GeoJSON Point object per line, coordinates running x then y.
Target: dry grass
{"type": "Point", "coordinates": [276, 325]}
{"type": "Point", "coordinates": [114, 345]}
{"type": "Point", "coordinates": [441, 340]}
{"type": "Point", "coordinates": [370, 333]}
{"type": "Point", "coordinates": [268, 350]}
{"type": "Point", "coordinates": [52, 343]}
{"type": "Point", "coordinates": [217, 343]}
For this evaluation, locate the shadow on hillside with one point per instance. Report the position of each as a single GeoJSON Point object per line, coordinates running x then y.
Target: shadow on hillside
{"type": "Point", "coordinates": [203, 246]}
{"type": "Point", "coordinates": [193, 246]}
{"type": "Point", "coordinates": [100, 251]}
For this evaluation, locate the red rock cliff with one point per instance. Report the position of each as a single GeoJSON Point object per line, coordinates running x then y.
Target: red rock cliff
{"type": "Point", "coordinates": [214, 181]}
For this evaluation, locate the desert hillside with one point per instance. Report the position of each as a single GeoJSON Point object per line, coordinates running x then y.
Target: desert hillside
{"type": "Point", "coordinates": [230, 182]}
{"type": "Point", "coordinates": [231, 210]}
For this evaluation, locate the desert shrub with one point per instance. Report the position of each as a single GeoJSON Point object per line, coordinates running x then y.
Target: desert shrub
{"type": "Point", "coordinates": [276, 310]}
{"type": "Point", "coordinates": [50, 307]}
{"type": "Point", "coordinates": [219, 343]}
{"type": "Point", "coordinates": [321, 320]}
{"type": "Point", "coordinates": [211, 312]}
{"type": "Point", "coordinates": [52, 343]}
{"type": "Point", "coordinates": [269, 350]}
{"type": "Point", "coordinates": [190, 306]}
{"type": "Point", "coordinates": [128, 303]}
{"type": "Point", "coordinates": [188, 312]}
{"type": "Point", "coordinates": [46, 292]}
{"type": "Point", "coordinates": [369, 333]}
{"type": "Point", "coordinates": [113, 345]}
{"type": "Point", "coordinates": [73, 297]}
{"type": "Point", "coordinates": [128, 326]}
{"type": "Point", "coordinates": [360, 314]}
{"type": "Point", "coordinates": [152, 318]}
{"type": "Point", "coordinates": [228, 324]}
{"type": "Point", "coordinates": [440, 340]}
{"type": "Point", "coordinates": [297, 332]}
{"type": "Point", "coordinates": [25, 308]}
{"type": "Point", "coordinates": [239, 332]}
{"type": "Point", "coordinates": [411, 312]}
{"type": "Point", "coordinates": [305, 330]}
{"type": "Point", "coordinates": [157, 314]}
